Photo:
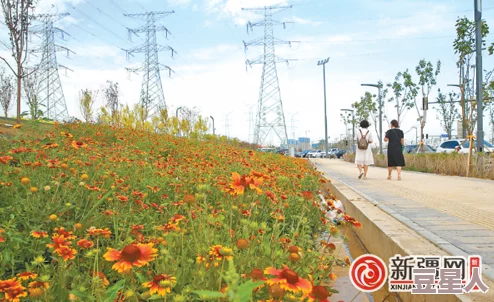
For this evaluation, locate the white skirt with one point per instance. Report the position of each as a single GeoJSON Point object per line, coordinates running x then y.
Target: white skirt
{"type": "Point", "coordinates": [364, 157]}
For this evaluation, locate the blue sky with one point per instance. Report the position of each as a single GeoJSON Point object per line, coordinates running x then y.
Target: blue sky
{"type": "Point", "coordinates": [367, 40]}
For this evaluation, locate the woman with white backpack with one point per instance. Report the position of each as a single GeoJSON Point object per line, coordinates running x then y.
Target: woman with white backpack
{"type": "Point", "coordinates": [364, 157]}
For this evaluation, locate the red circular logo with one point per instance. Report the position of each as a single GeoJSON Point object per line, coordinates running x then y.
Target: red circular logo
{"type": "Point", "coordinates": [368, 273]}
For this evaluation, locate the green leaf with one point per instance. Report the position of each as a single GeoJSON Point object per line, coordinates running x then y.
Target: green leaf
{"type": "Point", "coordinates": [332, 290]}
{"type": "Point", "coordinates": [245, 290]}
{"type": "Point", "coordinates": [111, 293]}
{"type": "Point", "coordinates": [140, 277]}
{"type": "Point", "coordinates": [206, 294]}
{"type": "Point", "coordinates": [84, 296]}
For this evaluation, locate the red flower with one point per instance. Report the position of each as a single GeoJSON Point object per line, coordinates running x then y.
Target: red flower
{"type": "Point", "coordinates": [131, 255]}
{"type": "Point", "coordinates": [288, 280]}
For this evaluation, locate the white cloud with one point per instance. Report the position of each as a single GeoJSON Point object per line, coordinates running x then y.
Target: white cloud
{"type": "Point", "coordinates": [233, 9]}
{"type": "Point", "coordinates": [182, 3]}
{"type": "Point", "coordinates": [302, 21]}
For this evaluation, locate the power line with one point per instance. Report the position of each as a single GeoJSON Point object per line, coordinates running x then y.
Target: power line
{"type": "Point", "coordinates": [97, 23]}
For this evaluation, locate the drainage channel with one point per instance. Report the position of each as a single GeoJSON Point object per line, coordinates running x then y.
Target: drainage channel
{"type": "Point", "coordinates": [354, 249]}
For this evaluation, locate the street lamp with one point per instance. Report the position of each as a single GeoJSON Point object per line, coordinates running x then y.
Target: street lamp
{"type": "Point", "coordinates": [380, 115]}
{"type": "Point", "coordinates": [323, 63]}
{"type": "Point", "coordinates": [479, 82]}
{"type": "Point", "coordinates": [213, 124]}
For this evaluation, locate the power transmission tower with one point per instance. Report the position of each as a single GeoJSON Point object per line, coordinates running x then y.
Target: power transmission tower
{"type": "Point", "coordinates": [270, 114]}
{"type": "Point", "coordinates": [50, 92]}
{"type": "Point", "coordinates": [152, 96]}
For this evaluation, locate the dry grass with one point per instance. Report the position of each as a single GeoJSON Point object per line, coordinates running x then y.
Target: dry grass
{"type": "Point", "coordinates": [441, 163]}
{"type": "Point", "coordinates": [28, 128]}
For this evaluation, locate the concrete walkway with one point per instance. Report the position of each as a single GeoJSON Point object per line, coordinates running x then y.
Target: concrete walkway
{"type": "Point", "coordinates": [455, 213]}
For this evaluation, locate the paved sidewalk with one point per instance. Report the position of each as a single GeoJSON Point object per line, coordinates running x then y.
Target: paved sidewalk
{"type": "Point", "coordinates": [455, 213]}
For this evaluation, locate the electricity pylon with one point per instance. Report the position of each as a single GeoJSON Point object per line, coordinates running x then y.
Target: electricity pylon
{"type": "Point", "coordinates": [50, 93]}
{"type": "Point", "coordinates": [152, 96]}
{"type": "Point", "coordinates": [270, 114]}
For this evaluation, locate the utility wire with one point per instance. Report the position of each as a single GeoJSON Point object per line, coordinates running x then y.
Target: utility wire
{"type": "Point", "coordinates": [97, 23]}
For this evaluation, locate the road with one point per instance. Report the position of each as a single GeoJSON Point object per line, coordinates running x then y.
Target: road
{"type": "Point", "coordinates": [456, 212]}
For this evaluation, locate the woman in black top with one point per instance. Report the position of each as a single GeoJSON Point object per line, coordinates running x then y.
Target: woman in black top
{"type": "Point", "coordinates": [396, 140]}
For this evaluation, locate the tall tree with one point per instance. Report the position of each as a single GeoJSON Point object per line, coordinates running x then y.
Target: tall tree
{"type": "Point", "coordinates": [31, 88]}
{"type": "Point", "coordinates": [17, 17]}
{"type": "Point", "coordinates": [6, 91]}
{"type": "Point", "coordinates": [464, 46]}
{"type": "Point", "coordinates": [86, 102]}
{"type": "Point", "coordinates": [404, 91]}
{"type": "Point", "coordinates": [427, 79]}
{"type": "Point", "coordinates": [368, 108]}
{"type": "Point", "coordinates": [112, 98]}
{"type": "Point", "coordinates": [447, 112]}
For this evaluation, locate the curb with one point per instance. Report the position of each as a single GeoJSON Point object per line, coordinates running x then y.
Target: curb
{"type": "Point", "coordinates": [445, 245]}
{"type": "Point", "coordinates": [438, 242]}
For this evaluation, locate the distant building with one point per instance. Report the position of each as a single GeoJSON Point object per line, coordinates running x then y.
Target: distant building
{"type": "Point", "coordinates": [304, 143]}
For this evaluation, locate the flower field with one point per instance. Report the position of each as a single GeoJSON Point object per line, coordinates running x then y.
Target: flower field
{"type": "Point", "coordinates": [93, 213]}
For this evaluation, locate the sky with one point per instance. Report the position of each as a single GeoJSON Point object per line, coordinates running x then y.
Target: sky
{"type": "Point", "coordinates": [366, 40]}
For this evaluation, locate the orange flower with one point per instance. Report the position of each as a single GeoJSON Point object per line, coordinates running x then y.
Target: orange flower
{"type": "Point", "coordinates": [59, 241]}
{"type": "Point", "coordinates": [67, 234]}
{"type": "Point", "coordinates": [39, 234]}
{"type": "Point", "coordinates": [161, 284]}
{"type": "Point", "coordinates": [319, 294]}
{"type": "Point", "coordinates": [288, 280]}
{"type": "Point", "coordinates": [78, 144]}
{"type": "Point", "coordinates": [132, 255]}
{"type": "Point", "coordinates": [13, 289]}
{"type": "Point", "coordinates": [99, 232]}
{"type": "Point", "coordinates": [17, 126]}
{"type": "Point", "coordinates": [85, 244]}
{"type": "Point", "coordinates": [307, 195]}
{"type": "Point", "coordinates": [66, 252]}
{"type": "Point", "coordinates": [5, 159]}
{"type": "Point", "coordinates": [27, 275]}
{"type": "Point", "coordinates": [219, 252]}
{"type": "Point", "coordinates": [37, 289]}
{"type": "Point", "coordinates": [102, 277]}
{"type": "Point", "coordinates": [50, 146]}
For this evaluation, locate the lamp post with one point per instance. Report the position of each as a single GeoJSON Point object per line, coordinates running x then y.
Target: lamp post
{"type": "Point", "coordinates": [323, 63]}
{"type": "Point", "coordinates": [353, 124]}
{"type": "Point", "coordinates": [380, 115]}
{"type": "Point", "coordinates": [479, 82]}
{"type": "Point", "coordinates": [213, 124]}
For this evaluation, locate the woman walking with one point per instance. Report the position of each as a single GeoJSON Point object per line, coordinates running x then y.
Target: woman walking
{"type": "Point", "coordinates": [396, 140]}
{"type": "Point", "coordinates": [364, 156]}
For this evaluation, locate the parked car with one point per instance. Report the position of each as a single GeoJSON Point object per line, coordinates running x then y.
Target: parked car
{"type": "Point", "coordinates": [451, 145]}
{"type": "Point", "coordinates": [301, 154]}
{"type": "Point", "coordinates": [313, 153]}
{"type": "Point", "coordinates": [340, 153]}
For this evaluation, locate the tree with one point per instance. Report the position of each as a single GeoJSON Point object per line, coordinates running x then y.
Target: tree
{"type": "Point", "coordinates": [427, 79]}
{"type": "Point", "coordinates": [17, 17]}
{"type": "Point", "coordinates": [112, 98]}
{"type": "Point", "coordinates": [86, 102]}
{"type": "Point", "coordinates": [404, 91]}
{"type": "Point", "coordinates": [31, 88]}
{"type": "Point", "coordinates": [464, 46]}
{"type": "Point", "coordinates": [6, 91]}
{"type": "Point", "coordinates": [447, 112]}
